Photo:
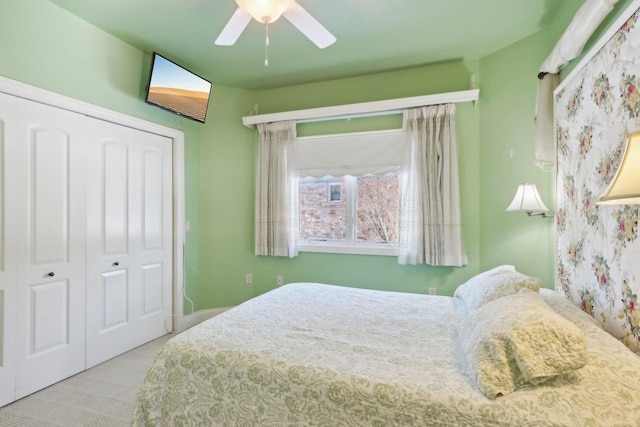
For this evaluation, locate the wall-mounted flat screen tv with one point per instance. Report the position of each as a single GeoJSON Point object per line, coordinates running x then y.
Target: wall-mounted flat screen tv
{"type": "Point", "coordinates": [177, 89]}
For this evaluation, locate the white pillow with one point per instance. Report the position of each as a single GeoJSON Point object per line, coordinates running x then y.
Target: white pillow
{"type": "Point", "coordinates": [518, 340]}
{"type": "Point", "coordinates": [493, 284]}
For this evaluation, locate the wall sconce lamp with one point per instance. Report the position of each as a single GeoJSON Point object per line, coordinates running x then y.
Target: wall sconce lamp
{"type": "Point", "coordinates": [624, 188]}
{"type": "Point", "coordinates": [527, 199]}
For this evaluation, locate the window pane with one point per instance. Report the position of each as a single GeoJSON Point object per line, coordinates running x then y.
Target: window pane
{"type": "Point", "coordinates": [323, 213]}
{"type": "Point", "coordinates": [377, 210]}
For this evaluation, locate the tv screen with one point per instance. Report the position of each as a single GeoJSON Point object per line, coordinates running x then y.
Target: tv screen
{"type": "Point", "coordinates": [177, 89]}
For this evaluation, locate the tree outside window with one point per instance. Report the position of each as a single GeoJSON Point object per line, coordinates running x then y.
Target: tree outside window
{"type": "Point", "coordinates": [352, 210]}
{"type": "Point", "coordinates": [378, 209]}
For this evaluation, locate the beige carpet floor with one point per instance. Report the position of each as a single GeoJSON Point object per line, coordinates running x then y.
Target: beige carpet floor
{"type": "Point", "coordinates": [102, 396]}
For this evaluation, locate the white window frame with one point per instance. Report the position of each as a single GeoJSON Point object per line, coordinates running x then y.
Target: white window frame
{"type": "Point", "coordinates": [351, 245]}
{"type": "Point", "coordinates": [329, 194]}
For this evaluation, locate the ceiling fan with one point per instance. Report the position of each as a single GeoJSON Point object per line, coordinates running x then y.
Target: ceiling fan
{"type": "Point", "coordinates": [268, 11]}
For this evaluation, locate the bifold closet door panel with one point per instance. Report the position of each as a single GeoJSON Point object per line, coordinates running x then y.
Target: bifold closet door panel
{"type": "Point", "coordinates": [109, 294]}
{"type": "Point", "coordinates": [86, 243]}
{"type": "Point", "coordinates": [7, 250]}
{"type": "Point", "coordinates": [129, 241]}
{"type": "Point", "coordinates": [154, 184]}
{"type": "Point", "coordinates": [51, 299]}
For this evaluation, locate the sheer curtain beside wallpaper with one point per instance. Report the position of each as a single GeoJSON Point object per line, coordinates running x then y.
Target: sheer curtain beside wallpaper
{"type": "Point", "coordinates": [276, 191]}
{"type": "Point", "coordinates": [430, 227]}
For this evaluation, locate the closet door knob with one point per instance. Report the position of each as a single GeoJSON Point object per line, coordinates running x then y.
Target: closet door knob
{"type": "Point", "coordinates": [51, 274]}
{"type": "Point", "coordinates": [116, 263]}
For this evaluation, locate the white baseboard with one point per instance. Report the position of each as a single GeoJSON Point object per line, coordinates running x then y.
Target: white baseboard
{"type": "Point", "coordinates": [187, 321]}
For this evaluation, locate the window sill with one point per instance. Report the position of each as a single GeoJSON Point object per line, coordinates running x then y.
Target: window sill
{"type": "Point", "coordinates": [337, 248]}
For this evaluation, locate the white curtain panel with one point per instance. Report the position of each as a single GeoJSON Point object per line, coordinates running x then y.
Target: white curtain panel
{"type": "Point", "coordinates": [430, 229]}
{"type": "Point", "coordinates": [571, 43]}
{"type": "Point", "coordinates": [276, 191]}
{"type": "Point", "coordinates": [545, 141]}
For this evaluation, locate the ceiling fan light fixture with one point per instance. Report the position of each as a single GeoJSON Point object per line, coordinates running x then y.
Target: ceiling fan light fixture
{"type": "Point", "coordinates": [266, 11]}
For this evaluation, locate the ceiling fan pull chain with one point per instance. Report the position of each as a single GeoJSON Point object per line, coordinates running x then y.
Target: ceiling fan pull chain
{"type": "Point", "coordinates": [266, 46]}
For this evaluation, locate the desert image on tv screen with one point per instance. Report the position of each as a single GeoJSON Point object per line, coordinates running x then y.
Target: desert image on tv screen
{"type": "Point", "coordinates": [177, 89]}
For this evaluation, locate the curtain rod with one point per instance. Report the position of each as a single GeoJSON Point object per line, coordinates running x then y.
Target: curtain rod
{"type": "Point", "coordinates": [363, 109]}
{"type": "Point", "coordinates": [571, 43]}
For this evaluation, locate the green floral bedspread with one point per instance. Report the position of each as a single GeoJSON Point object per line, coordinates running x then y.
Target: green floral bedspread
{"type": "Point", "coordinates": [319, 355]}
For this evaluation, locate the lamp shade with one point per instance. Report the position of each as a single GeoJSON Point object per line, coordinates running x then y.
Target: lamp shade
{"type": "Point", "coordinates": [266, 11]}
{"type": "Point", "coordinates": [624, 188]}
{"type": "Point", "coordinates": [527, 199]}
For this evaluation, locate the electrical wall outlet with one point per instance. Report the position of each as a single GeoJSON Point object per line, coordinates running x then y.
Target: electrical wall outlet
{"type": "Point", "coordinates": [432, 291]}
{"type": "Point", "coordinates": [280, 280]}
{"type": "Point", "coordinates": [248, 278]}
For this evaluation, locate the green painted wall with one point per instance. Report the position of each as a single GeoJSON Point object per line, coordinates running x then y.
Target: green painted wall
{"type": "Point", "coordinates": [507, 104]}
{"type": "Point", "coordinates": [47, 47]}
{"type": "Point", "coordinates": [227, 264]}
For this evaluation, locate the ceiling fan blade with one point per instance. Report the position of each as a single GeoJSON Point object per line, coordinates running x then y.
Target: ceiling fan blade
{"type": "Point", "coordinates": [234, 28]}
{"type": "Point", "coordinates": [308, 26]}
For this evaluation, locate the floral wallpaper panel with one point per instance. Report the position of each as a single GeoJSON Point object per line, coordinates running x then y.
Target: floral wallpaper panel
{"type": "Point", "coordinates": [598, 250]}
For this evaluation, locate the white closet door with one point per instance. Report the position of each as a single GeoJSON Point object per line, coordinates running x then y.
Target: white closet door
{"type": "Point", "coordinates": [7, 250]}
{"type": "Point", "coordinates": [154, 245]}
{"type": "Point", "coordinates": [129, 245]}
{"type": "Point", "coordinates": [50, 189]}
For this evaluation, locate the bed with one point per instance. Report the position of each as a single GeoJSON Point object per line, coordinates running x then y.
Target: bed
{"type": "Point", "coordinates": [315, 354]}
